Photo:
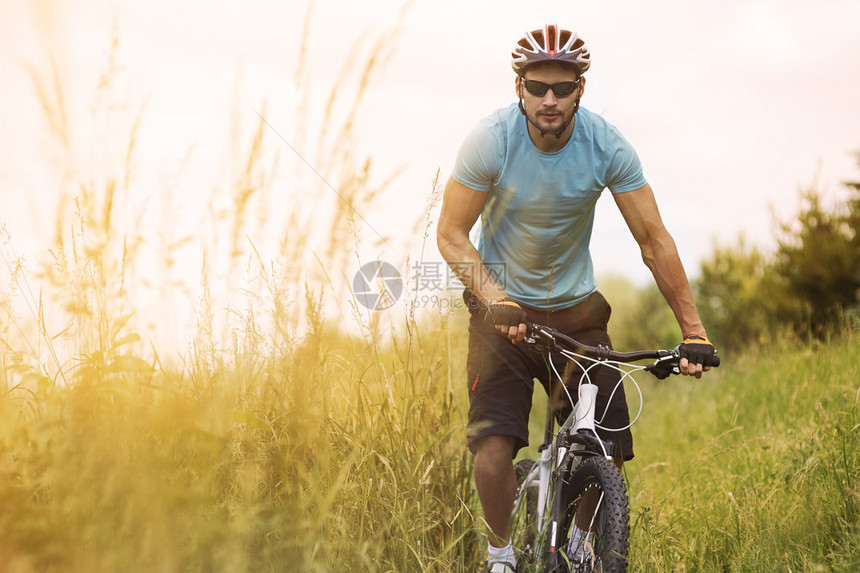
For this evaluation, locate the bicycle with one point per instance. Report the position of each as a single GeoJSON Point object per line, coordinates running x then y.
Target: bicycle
{"type": "Point", "coordinates": [575, 480]}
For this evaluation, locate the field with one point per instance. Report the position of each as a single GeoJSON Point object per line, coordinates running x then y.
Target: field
{"type": "Point", "coordinates": [347, 454]}
{"type": "Point", "coordinates": [756, 470]}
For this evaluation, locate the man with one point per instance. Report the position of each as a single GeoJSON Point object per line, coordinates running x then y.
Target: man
{"type": "Point", "coordinates": [533, 172]}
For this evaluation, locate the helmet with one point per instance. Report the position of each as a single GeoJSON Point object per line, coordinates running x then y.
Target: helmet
{"type": "Point", "coordinates": [551, 44]}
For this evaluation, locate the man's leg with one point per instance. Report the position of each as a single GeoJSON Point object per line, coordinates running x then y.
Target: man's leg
{"type": "Point", "coordinates": [494, 477]}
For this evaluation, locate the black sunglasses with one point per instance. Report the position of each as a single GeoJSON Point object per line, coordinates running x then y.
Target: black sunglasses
{"type": "Point", "coordinates": [561, 89]}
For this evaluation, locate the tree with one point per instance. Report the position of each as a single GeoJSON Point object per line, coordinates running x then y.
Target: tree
{"type": "Point", "coordinates": [740, 298]}
{"type": "Point", "coordinates": [819, 259]}
{"type": "Point", "coordinates": [809, 284]}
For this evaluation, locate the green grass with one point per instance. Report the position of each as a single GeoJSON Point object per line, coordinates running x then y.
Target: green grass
{"type": "Point", "coordinates": [756, 470]}
{"type": "Point", "coordinates": [349, 453]}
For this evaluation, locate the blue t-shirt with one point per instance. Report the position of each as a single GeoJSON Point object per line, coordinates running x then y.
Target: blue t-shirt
{"type": "Point", "coordinates": [536, 224]}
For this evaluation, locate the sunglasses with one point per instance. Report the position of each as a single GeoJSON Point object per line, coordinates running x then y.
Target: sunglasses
{"type": "Point", "coordinates": [539, 89]}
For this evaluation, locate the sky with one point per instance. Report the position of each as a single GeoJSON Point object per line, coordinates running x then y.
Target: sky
{"type": "Point", "coordinates": [732, 106]}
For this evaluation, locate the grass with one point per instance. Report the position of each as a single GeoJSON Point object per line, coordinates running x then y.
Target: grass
{"type": "Point", "coordinates": [756, 471]}
{"type": "Point", "coordinates": [352, 453]}
{"type": "Point", "coordinates": [341, 456]}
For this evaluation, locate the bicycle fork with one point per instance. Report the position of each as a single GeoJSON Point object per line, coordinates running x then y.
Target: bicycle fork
{"type": "Point", "coordinates": [583, 420]}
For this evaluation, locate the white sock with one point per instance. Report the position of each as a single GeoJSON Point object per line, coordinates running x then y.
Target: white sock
{"type": "Point", "coordinates": [577, 547]}
{"type": "Point", "coordinates": [505, 554]}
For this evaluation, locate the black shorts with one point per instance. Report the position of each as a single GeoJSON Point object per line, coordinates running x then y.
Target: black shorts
{"type": "Point", "coordinates": [501, 374]}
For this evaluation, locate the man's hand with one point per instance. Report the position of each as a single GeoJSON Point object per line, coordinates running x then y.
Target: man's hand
{"type": "Point", "coordinates": [508, 317]}
{"type": "Point", "coordinates": [696, 353]}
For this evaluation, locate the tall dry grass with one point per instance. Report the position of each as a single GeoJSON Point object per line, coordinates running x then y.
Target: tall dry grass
{"type": "Point", "coordinates": [274, 440]}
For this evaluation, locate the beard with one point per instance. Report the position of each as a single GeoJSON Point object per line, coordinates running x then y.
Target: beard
{"type": "Point", "coordinates": [555, 124]}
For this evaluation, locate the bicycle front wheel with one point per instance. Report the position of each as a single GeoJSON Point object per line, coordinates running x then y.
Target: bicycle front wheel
{"type": "Point", "coordinates": [596, 501]}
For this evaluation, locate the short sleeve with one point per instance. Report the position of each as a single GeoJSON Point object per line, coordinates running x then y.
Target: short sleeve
{"type": "Point", "coordinates": [624, 172]}
{"type": "Point", "coordinates": [480, 158]}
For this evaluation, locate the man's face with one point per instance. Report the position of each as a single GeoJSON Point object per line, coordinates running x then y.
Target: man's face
{"type": "Point", "coordinates": [549, 112]}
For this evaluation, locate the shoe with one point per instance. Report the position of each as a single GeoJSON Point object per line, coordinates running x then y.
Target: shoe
{"type": "Point", "coordinates": [580, 556]}
{"type": "Point", "coordinates": [501, 567]}
{"type": "Point", "coordinates": [581, 565]}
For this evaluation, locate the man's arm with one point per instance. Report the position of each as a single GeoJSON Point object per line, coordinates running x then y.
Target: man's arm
{"type": "Point", "coordinates": [461, 207]}
{"type": "Point", "coordinates": [639, 209]}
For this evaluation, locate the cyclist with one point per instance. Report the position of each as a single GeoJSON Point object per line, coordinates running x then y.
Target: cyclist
{"type": "Point", "coordinates": [533, 172]}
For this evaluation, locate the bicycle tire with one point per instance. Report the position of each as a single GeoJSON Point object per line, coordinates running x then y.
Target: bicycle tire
{"type": "Point", "coordinates": [611, 523]}
{"type": "Point", "coordinates": [524, 520]}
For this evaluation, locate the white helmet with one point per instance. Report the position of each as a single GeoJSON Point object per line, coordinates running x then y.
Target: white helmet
{"type": "Point", "coordinates": [550, 44]}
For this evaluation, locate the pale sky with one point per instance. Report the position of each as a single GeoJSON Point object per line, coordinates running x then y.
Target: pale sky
{"type": "Point", "coordinates": [731, 105]}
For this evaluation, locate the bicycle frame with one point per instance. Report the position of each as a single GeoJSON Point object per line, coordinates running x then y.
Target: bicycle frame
{"type": "Point", "coordinates": [576, 440]}
{"type": "Point", "coordinates": [555, 455]}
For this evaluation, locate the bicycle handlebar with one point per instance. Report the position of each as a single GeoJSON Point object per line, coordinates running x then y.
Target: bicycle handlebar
{"type": "Point", "coordinates": [666, 361]}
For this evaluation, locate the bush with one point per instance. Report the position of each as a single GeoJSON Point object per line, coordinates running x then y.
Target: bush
{"type": "Point", "coordinates": [809, 285]}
